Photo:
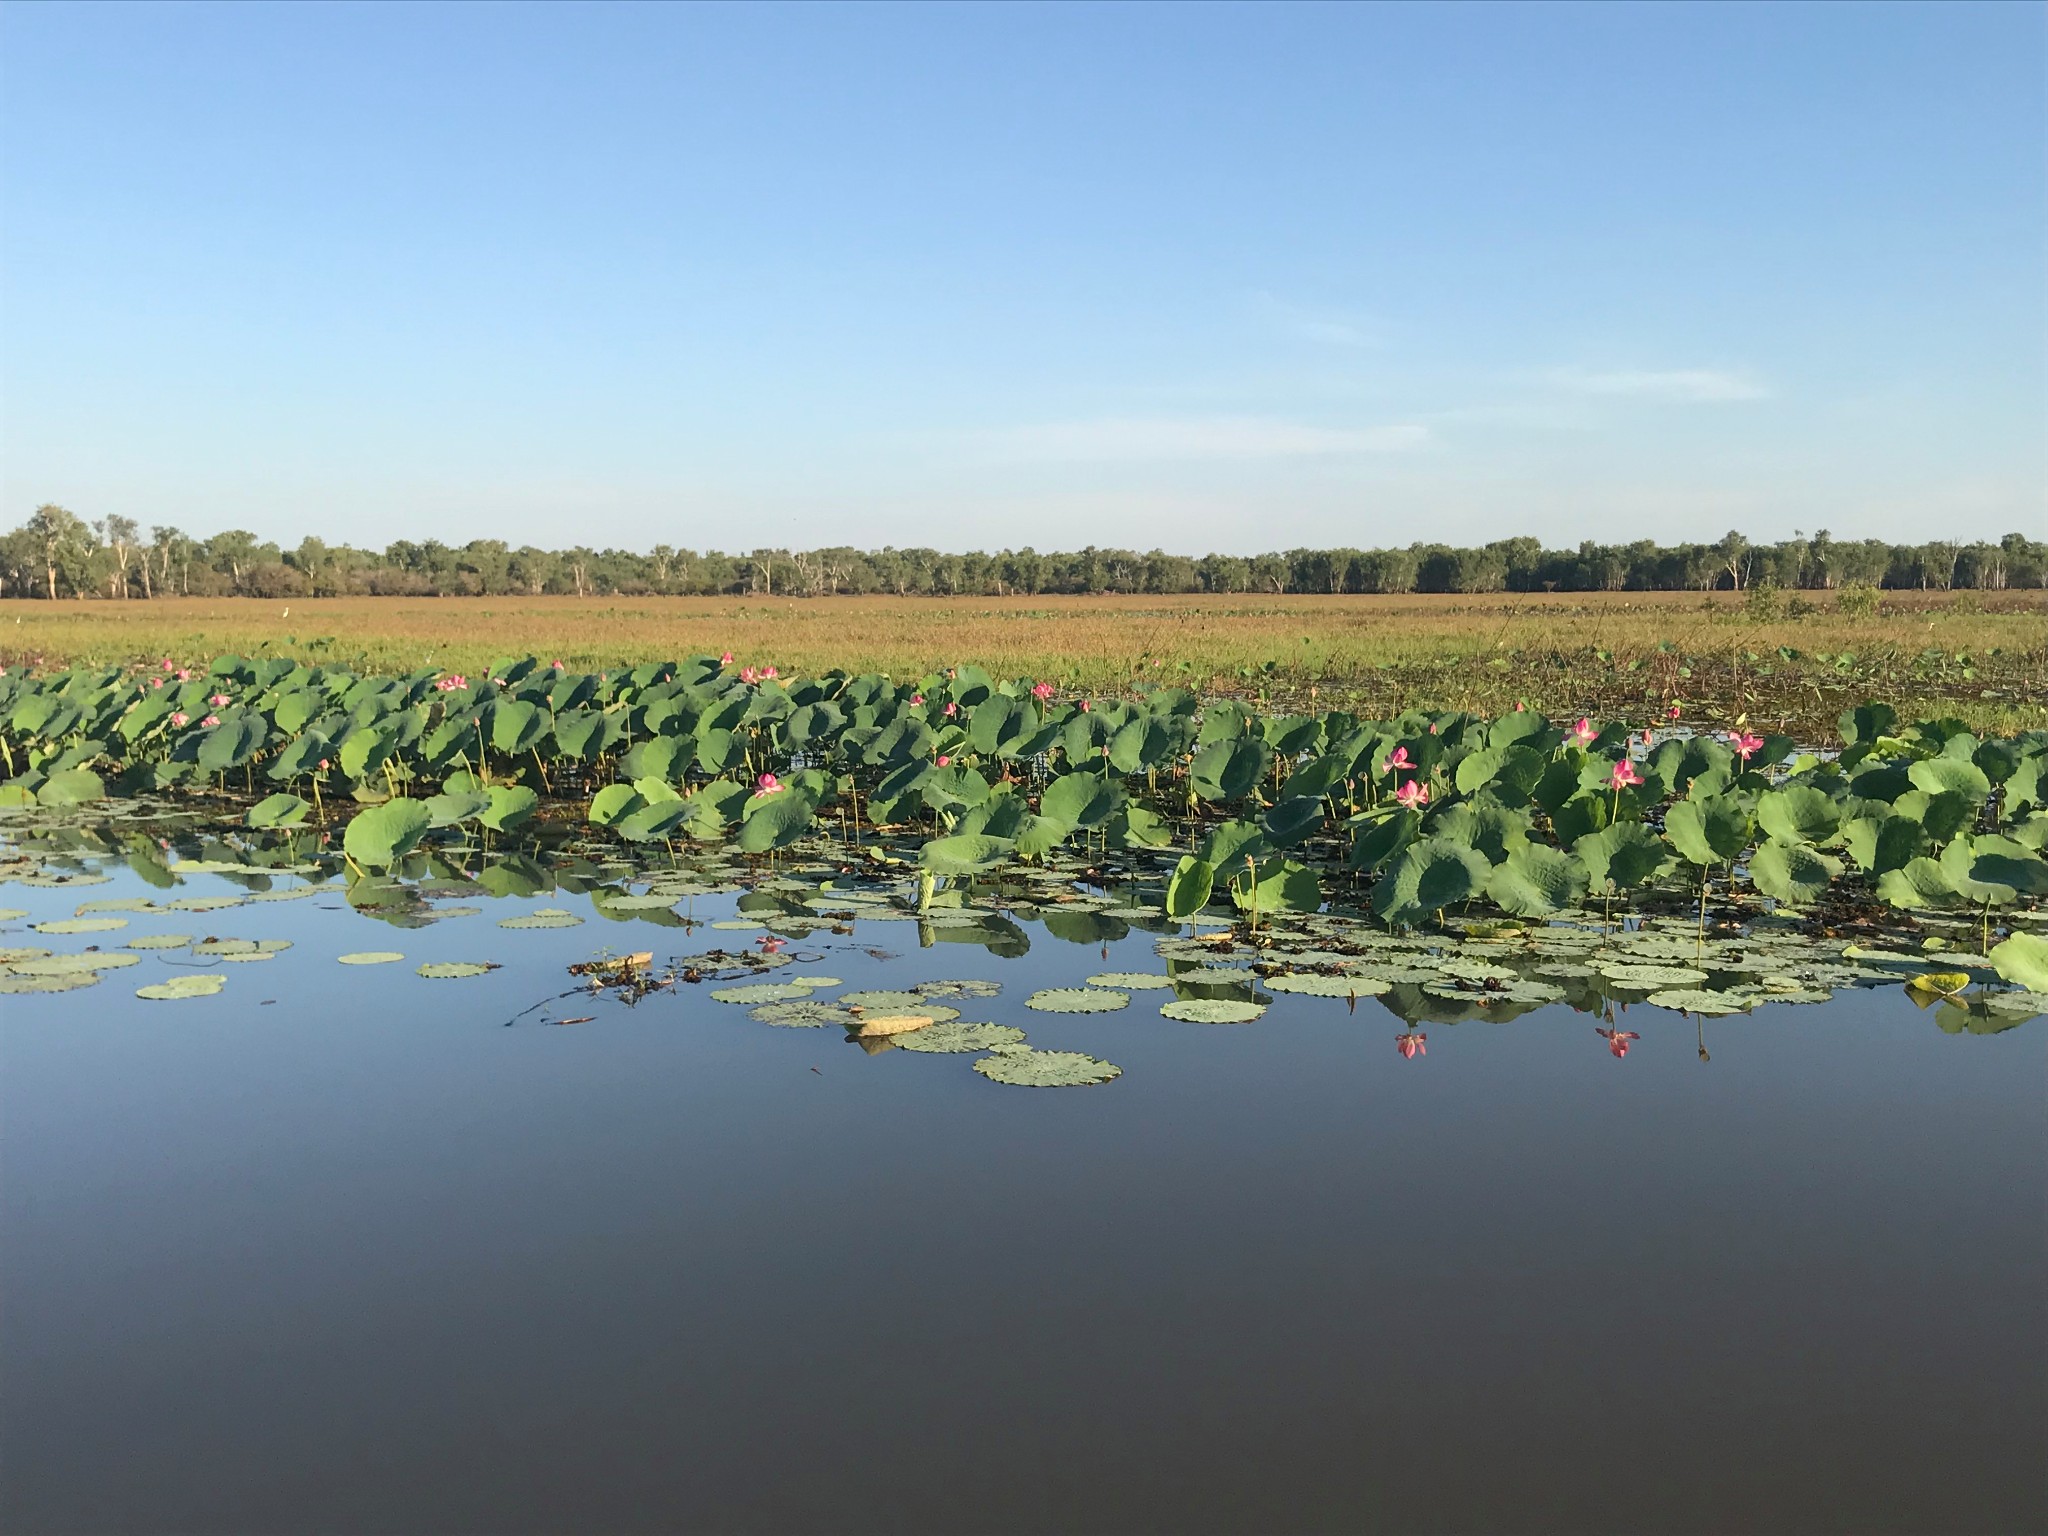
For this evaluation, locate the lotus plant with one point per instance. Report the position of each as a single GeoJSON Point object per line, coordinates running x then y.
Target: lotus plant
{"type": "Point", "coordinates": [1412, 1045]}
{"type": "Point", "coordinates": [1618, 1039]}
{"type": "Point", "coordinates": [1746, 744]}
{"type": "Point", "coordinates": [1041, 691]}
{"type": "Point", "coordinates": [766, 785]}
{"type": "Point", "coordinates": [1412, 795]}
{"type": "Point", "coordinates": [1582, 732]}
{"type": "Point", "coordinates": [1396, 761]}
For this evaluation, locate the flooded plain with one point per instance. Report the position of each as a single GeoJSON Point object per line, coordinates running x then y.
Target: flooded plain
{"type": "Point", "coordinates": [348, 1248]}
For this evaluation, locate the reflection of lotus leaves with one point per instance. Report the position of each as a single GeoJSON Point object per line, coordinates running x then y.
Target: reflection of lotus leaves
{"type": "Point", "coordinates": [1076, 1000]}
{"type": "Point", "coordinates": [1475, 970]}
{"type": "Point", "coordinates": [1328, 986]}
{"type": "Point", "coordinates": [371, 957]}
{"type": "Point", "coordinates": [739, 924]}
{"type": "Point", "coordinates": [1652, 975]}
{"type": "Point", "coordinates": [81, 925]}
{"type": "Point", "coordinates": [454, 970]}
{"type": "Point", "coordinates": [761, 992]}
{"type": "Point", "coordinates": [545, 917]}
{"type": "Point", "coordinates": [1026, 1068]}
{"type": "Point", "coordinates": [1791, 995]}
{"type": "Point", "coordinates": [202, 903]}
{"type": "Point", "coordinates": [953, 1038]}
{"type": "Point", "coordinates": [182, 987]}
{"type": "Point", "coordinates": [804, 1015]}
{"type": "Point", "coordinates": [1212, 1010]}
{"type": "Point", "coordinates": [970, 988]}
{"type": "Point", "coordinates": [1133, 981]}
{"type": "Point", "coordinates": [1692, 1000]}
{"type": "Point", "coordinates": [1214, 976]}
{"type": "Point", "coordinates": [12, 982]}
{"type": "Point", "coordinates": [294, 894]}
{"type": "Point", "coordinates": [647, 903]}
{"type": "Point", "coordinates": [2024, 1004]}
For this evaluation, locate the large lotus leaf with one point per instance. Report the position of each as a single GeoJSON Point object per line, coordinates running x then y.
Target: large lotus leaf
{"type": "Point", "coordinates": [73, 786]}
{"type": "Point", "coordinates": [1435, 873]}
{"type": "Point", "coordinates": [774, 821]}
{"type": "Point", "coordinates": [283, 810]}
{"type": "Point", "coordinates": [2032, 832]}
{"type": "Point", "coordinates": [1513, 769]}
{"type": "Point", "coordinates": [384, 834]}
{"type": "Point", "coordinates": [1026, 1068]}
{"type": "Point", "coordinates": [964, 855]}
{"type": "Point", "coordinates": [517, 726]}
{"type": "Point", "coordinates": [1292, 821]}
{"type": "Point", "coordinates": [1189, 887]}
{"type": "Point", "coordinates": [1517, 726]}
{"type": "Point", "coordinates": [1375, 843]}
{"type": "Point", "coordinates": [1077, 1000]}
{"type": "Point", "coordinates": [1878, 844]}
{"type": "Point", "coordinates": [1951, 775]}
{"type": "Point", "coordinates": [956, 787]}
{"type": "Point", "coordinates": [1707, 832]}
{"type": "Point", "coordinates": [364, 752]}
{"type": "Point", "coordinates": [1321, 777]}
{"type": "Point", "coordinates": [613, 802]}
{"type": "Point", "coordinates": [1919, 883]}
{"type": "Point", "coordinates": [1140, 744]}
{"type": "Point", "coordinates": [452, 808]}
{"type": "Point", "coordinates": [579, 734]}
{"type": "Point", "coordinates": [957, 1038]}
{"type": "Point", "coordinates": [1229, 843]}
{"type": "Point", "coordinates": [232, 743]}
{"type": "Point", "coordinates": [1867, 722]}
{"type": "Point", "coordinates": [2023, 961]}
{"type": "Point", "coordinates": [1080, 799]}
{"type": "Point", "coordinates": [1494, 830]}
{"type": "Point", "coordinates": [1792, 872]}
{"type": "Point", "coordinates": [1537, 881]}
{"type": "Point", "coordinates": [1227, 770]}
{"type": "Point", "coordinates": [1993, 869]}
{"type": "Point", "coordinates": [510, 805]}
{"type": "Point", "coordinates": [662, 818]}
{"type": "Point", "coordinates": [1798, 814]}
{"type": "Point", "coordinates": [1212, 1010]}
{"type": "Point", "coordinates": [1277, 885]}
{"type": "Point", "coordinates": [1622, 856]}
{"type": "Point", "coordinates": [1092, 928]}
{"type": "Point", "coordinates": [298, 757]}
{"type": "Point", "coordinates": [2028, 785]}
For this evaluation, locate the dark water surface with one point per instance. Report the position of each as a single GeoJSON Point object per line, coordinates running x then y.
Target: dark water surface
{"type": "Point", "coordinates": [368, 1260]}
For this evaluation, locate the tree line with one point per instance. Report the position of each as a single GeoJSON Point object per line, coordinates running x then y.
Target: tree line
{"type": "Point", "coordinates": [57, 554]}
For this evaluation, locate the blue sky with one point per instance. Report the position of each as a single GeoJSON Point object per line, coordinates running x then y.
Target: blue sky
{"type": "Point", "coordinates": [1206, 277]}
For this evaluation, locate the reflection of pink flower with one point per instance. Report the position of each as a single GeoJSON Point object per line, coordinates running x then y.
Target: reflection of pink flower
{"type": "Point", "coordinates": [1412, 1045]}
{"type": "Point", "coordinates": [1746, 744]}
{"type": "Point", "coordinates": [1041, 691]}
{"type": "Point", "coordinates": [1624, 775]}
{"type": "Point", "coordinates": [211, 720]}
{"type": "Point", "coordinates": [1583, 732]}
{"type": "Point", "coordinates": [179, 717]}
{"type": "Point", "coordinates": [767, 784]}
{"type": "Point", "coordinates": [1618, 1039]}
{"type": "Point", "coordinates": [1412, 794]}
{"type": "Point", "coordinates": [1398, 758]}
{"type": "Point", "coordinates": [770, 944]}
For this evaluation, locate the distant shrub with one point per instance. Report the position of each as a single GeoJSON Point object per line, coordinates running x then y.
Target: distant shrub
{"type": "Point", "coordinates": [1760, 603]}
{"type": "Point", "coordinates": [1856, 600]}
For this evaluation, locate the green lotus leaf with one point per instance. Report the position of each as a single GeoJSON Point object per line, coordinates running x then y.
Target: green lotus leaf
{"type": "Point", "coordinates": [1376, 842]}
{"type": "Point", "coordinates": [1227, 770]}
{"type": "Point", "coordinates": [1277, 885]}
{"type": "Point", "coordinates": [1292, 821]}
{"type": "Point", "coordinates": [1651, 975]}
{"type": "Point", "coordinates": [762, 992]}
{"type": "Point", "coordinates": [1494, 830]}
{"type": "Point", "coordinates": [884, 1001]}
{"type": "Point", "coordinates": [1212, 1010]}
{"type": "Point", "coordinates": [2022, 960]}
{"type": "Point", "coordinates": [1951, 775]}
{"type": "Point", "coordinates": [964, 855]}
{"type": "Point", "coordinates": [73, 786]}
{"type": "Point", "coordinates": [1920, 883]}
{"type": "Point", "coordinates": [1189, 887]}
{"type": "Point", "coordinates": [510, 805]}
{"type": "Point", "coordinates": [81, 925]}
{"type": "Point", "coordinates": [382, 835]}
{"type": "Point", "coordinates": [1798, 814]}
{"type": "Point", "coordinates": [1792, 872]}
{"type": "Point", "coordinates": [1077, 1000]}
{"type": "Point", "coordinates": [959, 1039]}
{"type": "Point", "coordinates": [1690, 1000]}
{"type": "Point", "coordinates": [1080, 799]}
{"type": "Point", "coordinates": [1707, 832]}
{"type": "Point", "coordinates": [279, 810]}
{"type": "Point", "coordinates": [2025, 1005]}
{"type": "Point", "coordinates": [455, 970]}
{"type": "Point", "coordinates": [15, 983]}
{"type": "Point", "coordinates": [971, 987]}
{"type": "Point", "coordinates": [1431, 875]}
{"type": "Point", "coordinates": [1132, 981]}
{"type": "Point", "coordinates": [1622, 856]}
{"type": "Point", "coordinates": [450, 809]}
{"type": "Point", "coordinates": [774, 821]}
{"type": "Point", "coordinates": [1538, 882]}
{"type": "Point", "coordinates": [160, 941]}
{"type": "Point", "coordinates": [182, 987]}
{"type": "Point", "coordinates": [73, 964]}
{"type": "Point", "coordinates": [370, 957]}
{"type": "Point", "coordinates": [1310, 984]}
{"type": "Point", "coordinates": [1026, 1068]}
{"type": "Point", "coordinates": [544, 917]}
{"type": "Point", "coordinates": [804, 1013]}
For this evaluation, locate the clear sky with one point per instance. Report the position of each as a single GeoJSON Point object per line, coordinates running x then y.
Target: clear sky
{"type": "Point", "coordinates": [1201, 277]}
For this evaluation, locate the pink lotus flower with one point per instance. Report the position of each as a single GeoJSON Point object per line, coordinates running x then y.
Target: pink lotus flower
{"type": "Point", "coordinates": [1432, 730]}
{"type": "Point", "coordinates": [749, 675]}
{"type": "Point", "coordinates": [1746, 744]}
{"type": "Point", "coordinates": [1520, 707]}
{"type": "Point", "coordinates": [772, 945]}
{"type": "Point", "coordinates": [1673, 712]}
{"type": "Point", "coordinates": [1411, 1046]}
{"type": "Point", "coordinates": [154, 682]}
{"type": "Point", "coordinates": [952, 710]}
{"type": "Point", "coordinates": [1624, 775]}
{"type": "Point", "coordinates": [167, 663]}
{"type": "Point", "coordinates": [451, 682]}
{"type": "Point", "coordinates": [1583, 732]}
{"type": "Point", "coordinates": [218, 700]}
{"type": "Point", "coordinates": [767, 784]}
{"type": "Point", "coordinates": [1398, 758]}
{"type": "Point", "coordinates": [1041, 691]}
{"type": "Point", "coordinates": [556, 666]}
{"type": "Point", "coordinates": [211, 720]}
{"type": "Point", "coordinates": [499, 681]}
{"type": "Point", "coordinates": [1618, 1039]}
{"type": "Point", "coordinates": [1084, 706]}
{"type": "Point", "coordinates": [1413, 794]}
{"type": "Point", "coordinates": [1649, 737]}
{"type": "Point", "coordinates": [179, 717]}
{"type": "Point", "coordinates": [945, 761]}
{"type": "Point", "coordinates": [323, 765]}
{"type": "Point", "coordinates": [184, 674]}
{"type": "Point", "coordinates": [725, 660]}
{"type": "Point", "coordinates": [917, 698]}
{"type": "Point", "coordinates": [769, 672]}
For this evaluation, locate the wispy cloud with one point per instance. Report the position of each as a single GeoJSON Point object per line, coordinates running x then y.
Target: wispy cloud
{"type": "Point", "coordinates": [1691, 385]}
{"type": "Point", "coordinates": [1200, 437]}
{"type": "Point", "coordinates": [1328, 327]}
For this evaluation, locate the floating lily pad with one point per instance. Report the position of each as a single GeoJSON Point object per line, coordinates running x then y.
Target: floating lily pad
{"type": "Point", "coordinates": [1652, 975]}
{"type": "Point", "coordinates": [456, 970]}
{"type": "Point", "coordinates": [804, 1015]}
{"type": "Point", "coordinates": [111, 904]}
{"type": "Point", "coordinates": [160, 941]}
{"type": "Point", "coordinates": [1025, 1068]}
{"type": "Point", "coordinates": [761, 992]}
{"type": "Point", "coordinates": [1212, 1010]}
{"type": "Point", "coordinates": [1132, 981]}
{"type": "Point", "coordinates": [371, 957]}
{"type": "Point", "coordinates": [202, 903]}
{"type": "Point", "coordinates": [179, 987]}
{"type": "Point", "coordinates": [1693, 1000]}
{"type": "Point", "coordinates": [12, 914]}
{"type": "Point", "coordinates": [62, 981]}
{"type": "Point", "coordinates": [19, 953]}
{"type": "Point", "coordinates": [545, 917]}
{"type": "Point", "coordinates": [962, 1038]}
{"type": "Point", "coordinates": [68, 965]}
{"type": "Point", "coordinates": [240, 949]}
{"type": "Point", "coordinates": [1077, 1000]}
{"type": "Point", "coordinates": [969, 988]}
{"type": "Point", "coordinates": [2024, 1004]}
{"type": "Point", "coordinates": [81, 925]}
{"type": "Point", "coordinates": [883, 1000]}
{"type": "Point", "coordinates": [1311, 985]}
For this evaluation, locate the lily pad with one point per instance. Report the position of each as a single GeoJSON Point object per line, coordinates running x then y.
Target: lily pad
{"type": "Point", "coordinates": [71, 965]}
{"type": "Point", "coordinates": [179, 987]}
{"type": "Point", "coordinates": [371, 957]}
{"type": "Point", "coordinates": [804, 1015]}
{"type": "Point", "coordinates": [456, 970]}
{"type": "Point", "coordinates": [1026, 1068]}
{"type": "Point", "coordinates": [12, 982]}
{"type": "Point", "coordinates": [969, 988]}
{"type": "Point", "coordinates": [1132, 981]}
{"type": "Point", "coordinates": [1212, 1010]}
{"type": "Point", "coordinates": [882, 1000]}
{"type": "Point", "coordinates": [1652, 975]}
{"type": "Point", "coordinates": [762, 992]}
{"type": "Point", "coordinates": [160, 941]}
{"type": "Point", "coordinates": [545, 917]}
{"type": "Point", "coordinates": [1693, 1000]}
{"type": "Point", "coordinates": [1077, 1000]}
{"type": "Point", "coordinates": [81, 925]}
{"type": "Point", "coordinates": [955, 1038]}
{"type": "Point", "coordinates": [1310, 985]}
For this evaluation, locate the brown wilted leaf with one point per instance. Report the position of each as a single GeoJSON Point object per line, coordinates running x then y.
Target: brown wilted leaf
{"type": "Point", "coordinates": [891, 1024]}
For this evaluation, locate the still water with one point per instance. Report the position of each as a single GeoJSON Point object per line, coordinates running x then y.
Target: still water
{"type": "Point", "coordinates": [342, 1250]}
